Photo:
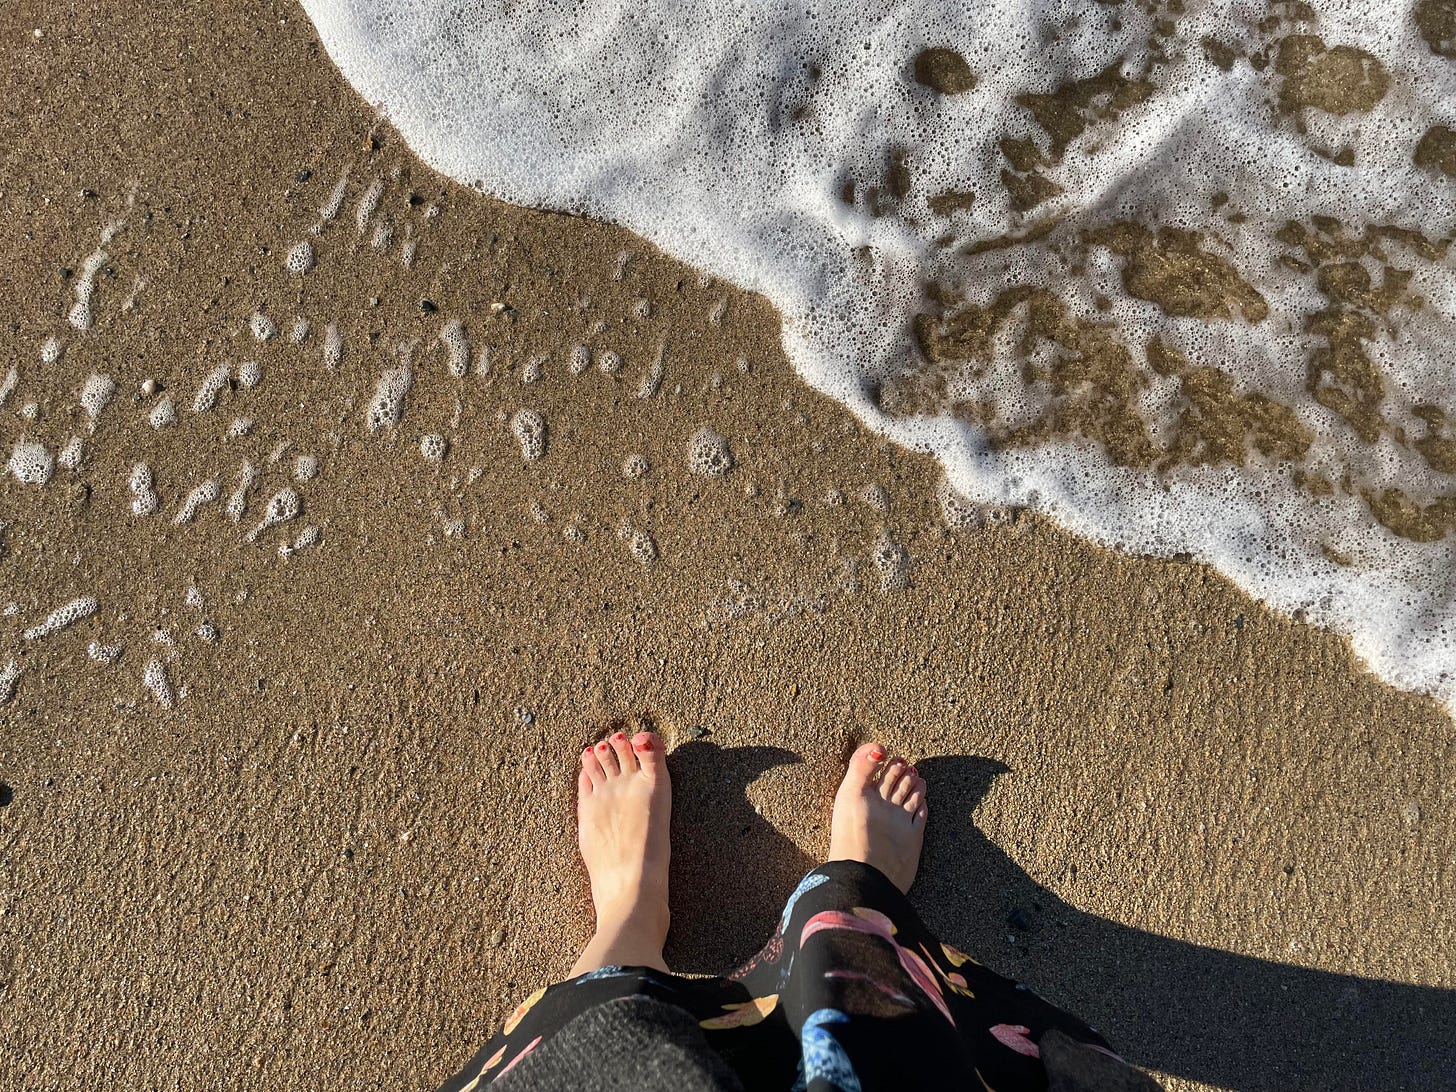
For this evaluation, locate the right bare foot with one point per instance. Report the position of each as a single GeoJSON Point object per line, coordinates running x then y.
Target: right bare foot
{"type": "Point", "coordinates": [623, 806]}
{"type": "Point", "coordinates": [880, 823]}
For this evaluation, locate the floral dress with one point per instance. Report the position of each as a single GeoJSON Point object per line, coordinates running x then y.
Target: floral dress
{"type": "Point", "coordinates": [852, 992]}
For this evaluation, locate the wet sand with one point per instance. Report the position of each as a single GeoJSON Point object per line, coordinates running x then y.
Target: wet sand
{"type": "Point", "coordinates": [346, 851]}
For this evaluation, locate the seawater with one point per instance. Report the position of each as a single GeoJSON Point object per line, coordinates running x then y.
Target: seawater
{"type": "Point", "coordinates": [1178, 274]}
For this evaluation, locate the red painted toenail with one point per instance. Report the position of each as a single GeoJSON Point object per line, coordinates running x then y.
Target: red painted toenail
{"type": "Point", "coordinates": [876, 754]}
{"type": "Point", "coordinates": [642, 745]}
{"type": "Point", "coordinates": [620, 737]}
{"type": "Point", "coordinates": [601, 746]}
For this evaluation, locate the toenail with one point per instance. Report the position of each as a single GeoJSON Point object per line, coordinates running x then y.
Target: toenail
{"type": "Point", "coordinates": [911, 770]}
{"type": "Point", "coordinates": [643, 744]}
{"type": "Point", "coordinates": [876, 754]}
{"type": "Point", "coordinates": [601, 746]}
{"type": "Point", "coordinates": [620, 737]}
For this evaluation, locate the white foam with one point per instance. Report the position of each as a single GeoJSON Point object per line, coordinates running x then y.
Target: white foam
{"type": "Point", "coordinates": [333, 345]}
{"type": "Point", "coordinates": [103, 654]}
{"type": "Point", "coordinates": [240, 427]}
{"type": "Point", "coordinates": [154, 678]}
{"type": "Point", "coordinates": [163, 413]}
{"type": "Point", "coordinates": [640, 543]}
{"type": "Point", "coordinates": [457, 348]}
{"type": "Point", "coordinates": [387, 406]}
{"type": "Point", "coordinates": [212, 385]}
{"type": "Point", "coordinates": [96, 394]}
{"type": "Point", "coordinates": [284, 506]}
{"type": "Point", "coordinates": [752, 140]}
{"type": "Point", "coordinates": [305, 468]}
{"type": "Point", "coordinates": [300, 258]}
{"type": "Point", "coordinates": [9, 675]}
{"type": "Point", "coordinates": [262, 327]}
{"type": "Point", "coordinates": [298, 334]}
{"type": "Point", "coordinates": [144, 495]}
{"type": "Point", "coordinates": [71, 454]}
{"type": "Point", "coordinates": [30, 411]}
{"type": "Point", "coordinates": [368, 204]}
{"type": "Point", "coordinates": [529, 429]}
{"type": "Point", "coordinates": [9, 383]}
{"type": "Point", "coordinates": [250, 374]}
{"type": "Point", "coordinates": [31, 462]}
{"type": "Point", "coordinates": [50, 350]}
{"type": "Point", "coordinates": [237, 505]}
{"type": "Point", "coordinates": [68, 615]}
{"type": "Point", "coordinates": [82, 314]}
{"type": "Point", "coordinates": [433, 447]}
{"type": "Point", "coordinates": [205, 493]}
{"type": "Point", "coordinates": [709, 453]}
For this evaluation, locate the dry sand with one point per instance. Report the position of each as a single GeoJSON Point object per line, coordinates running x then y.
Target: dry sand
{"type": "Point", "coordinates": [347, 850]}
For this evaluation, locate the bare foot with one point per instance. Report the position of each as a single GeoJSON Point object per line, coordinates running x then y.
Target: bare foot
{"type": "Point", "coordinates": [880, 823]}
{"type": "Point", "coordinates": [623, 806]}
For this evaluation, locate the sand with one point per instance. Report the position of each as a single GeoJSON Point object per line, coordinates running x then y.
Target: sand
{"type": "Point", "coordinates": [346, 850]}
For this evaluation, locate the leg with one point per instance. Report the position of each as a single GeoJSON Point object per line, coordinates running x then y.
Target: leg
{"type": "Point", "coordinates": [624, 802]}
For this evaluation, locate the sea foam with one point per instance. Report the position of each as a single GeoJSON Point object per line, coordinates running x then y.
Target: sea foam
{"type": "Point", "coordinates": [1180, 277]}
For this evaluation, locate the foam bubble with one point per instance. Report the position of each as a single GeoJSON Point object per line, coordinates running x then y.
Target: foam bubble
{"type": "Point", "coordinates": [82, 314]}
{"type": "Point", "coordinates": [891, 561]}
{"type": "Point", "coordinates": [70, 456]}
{"type": "Point", "coordinates": [368, 204]}
{"type": "Point", "coordinates": [206, 632]}
{"type": "Point", "coordinates": [163, 413]}
{"type": "Point", "coordinates": [51, 349]}
{"type": "Point", "coordinates": [433, 447]}
{"type": "Point", "coordinates": [237, 505]}
{"type": "Point", "coordinates": [31, 462]}
{"type": "Point", "coordinates": [333, 345]}
{"type": "Point", "coordinates": [457, 348]}
{"type": "Point", "coordinates": [334, 204]}
{"type": "Point", "coordinates": [154, 678]}
{"type": "Point", "coordinates": [9, 675]}
{"type": "Point", "coordinates": [285, 505]}
{"type": "Point", "coordinates": [636, 466]}
{"type": "Point", "coordinates": [709, 454]}
{"type": "Point", "coordinates": [299, 332]}
{"type": "Point", "coordinates": [529, 429]}
{"type": "Point", "coordinates": [579, 360]}
{"type": "Point", "coordinates": [263, 328]}
{"type": "Point", "coordinates": [652, 377]}
{"type": "Point", "coordinates": [240, 427]}
{"type": "Point", "coordinates": [30, 411]}
{"type": "Point", "coordinates": [640, 543]}
{"type": "Point", "coordinates": [305, 468]}
{"type": "Point", "coordinates": [8, 384]}
{"type": "Point", "coordinates": [103, 654]}
{"type": "Point", "coordinates": [68, 615]}
{"type": "Point", "coordinates": [202, 494]}
{"type": "Point", "coordinates": [212, 385]}
{"type": "Point", "coordinates": [250, 374]}
{"type": "Point", "coordinates": [300, 258]}
{"type": "Point", "coordinates": [894, 202]}
{"type": "Point", "coordinates": [609, 362]}
{"type": "Point", "coordinates": [144, 495]}
{"type": "Point", "coordinates": [96, 394]}
{"type": "Point", "coordinates": [387, 406]}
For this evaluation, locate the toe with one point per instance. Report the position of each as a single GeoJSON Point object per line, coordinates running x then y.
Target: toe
{"type": "Point", "coordinates": [894, 771]}
{"type": "Point", "coordinates": [647, 749]}
{"type": "Point", "coordinates": [608, 758]}
{"type": "Point", "coordinates": [583, 782]}
{"type": "Point", "coordinates": [623, 752]}
{"type": "Point", "coordinates": [904, 787]}
{"type": "Point", "coordinates": [591, 767]}
{"type": "Point", "coordinates": [915, 799]}
{"type": "Point", "coordinates": [921, 814]}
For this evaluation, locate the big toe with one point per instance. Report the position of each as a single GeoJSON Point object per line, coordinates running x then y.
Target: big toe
{"type": "Point", "coordinates": [647, 748]}
{"type": "Point", "coordinates": [863, 765]}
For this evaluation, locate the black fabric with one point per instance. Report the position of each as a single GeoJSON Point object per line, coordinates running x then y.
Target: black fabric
{"type": "Point", "coordinates": [851, 993]}
{"type": "Point", "coordinates": [632, 1044]}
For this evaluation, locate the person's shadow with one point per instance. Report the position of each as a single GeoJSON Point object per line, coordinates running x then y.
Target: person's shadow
{"type": "Point", "coordinates": [1229, 1020]}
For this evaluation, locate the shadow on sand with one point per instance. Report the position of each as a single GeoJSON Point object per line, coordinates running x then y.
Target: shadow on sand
{"type": "Point", "coordinates": [1213, 1016]}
